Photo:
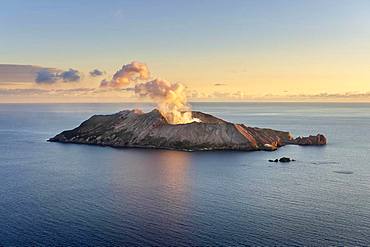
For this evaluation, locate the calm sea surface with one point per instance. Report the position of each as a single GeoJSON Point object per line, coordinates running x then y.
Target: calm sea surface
{"type": "Point", "coordinates": [65, 194]}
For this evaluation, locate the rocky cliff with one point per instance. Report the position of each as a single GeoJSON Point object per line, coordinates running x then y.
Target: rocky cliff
{"type": "Point", "coordinates": [151, 130]}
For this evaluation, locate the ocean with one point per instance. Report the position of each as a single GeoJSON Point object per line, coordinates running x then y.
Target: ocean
{"type": "Point", "coordinates": [78, 195]}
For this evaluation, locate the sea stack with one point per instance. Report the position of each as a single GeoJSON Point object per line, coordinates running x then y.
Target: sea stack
{"type": "Point", "coordinates": [134, 128]}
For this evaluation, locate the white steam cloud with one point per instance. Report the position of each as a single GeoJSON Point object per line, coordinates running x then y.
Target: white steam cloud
{"type": "Point", "coordinates": [170, 97]}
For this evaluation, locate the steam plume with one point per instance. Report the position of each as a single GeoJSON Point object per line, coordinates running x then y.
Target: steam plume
{"type": "Point", "coordinates": [170, 97]}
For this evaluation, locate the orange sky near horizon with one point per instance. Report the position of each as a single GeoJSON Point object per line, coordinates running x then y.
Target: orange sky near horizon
{"type": "Point", "coordinates": [248, 51]}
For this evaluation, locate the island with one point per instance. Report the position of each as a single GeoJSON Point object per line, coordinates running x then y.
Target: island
{"type": "Point", "coordinates": [134, 128]}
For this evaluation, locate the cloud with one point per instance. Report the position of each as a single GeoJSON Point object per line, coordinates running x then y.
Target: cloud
{"type": "Point", "coordinates": [96, 73]}
{"type": "Point", "coordinates": [18, 73]}
{"type": "Point", "coordinates": [42, 91]}
{"type": "Point", "coordinates": [128, 73]}
{"type": "Point", "coordinates": [347, 95]}
{"type": "Point", "coordinates": [75, 91]}
{"type": "Point", "coordinates": [21, 91]}
{"type": "Point", "coordinates": [221, 94]}
{"type": "Point", "coordinates": [70, 75]}
{"type": "Point", "coordinates": [10, 73]}
{"type": "Point", "coordinates": [104, 83]}
{"type": "Point", "coordinates": [45, 76]}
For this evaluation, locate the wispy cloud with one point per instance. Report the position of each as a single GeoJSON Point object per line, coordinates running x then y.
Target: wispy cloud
{"type": "Point", "coordinates": [15, 73]}
{"type": "Point", "coordinates": [43, 91]}
{"type": "Point", "coordinates": [347, 95]}
{"type": "Point", "coordinates": [20, 73]}
{"type": "Point", "coordinates": [22, 91]}
{"type": "Point", "coordinates": [219, 84]}
{"type": "Point", "coordinates": [239, 95]}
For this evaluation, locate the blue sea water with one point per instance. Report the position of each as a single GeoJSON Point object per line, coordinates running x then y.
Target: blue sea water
{"type": "Point", "coordinates": [78, 195]}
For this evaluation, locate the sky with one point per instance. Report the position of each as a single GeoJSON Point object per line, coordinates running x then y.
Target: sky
{"type": "Point", "coordinates": [229, 50]}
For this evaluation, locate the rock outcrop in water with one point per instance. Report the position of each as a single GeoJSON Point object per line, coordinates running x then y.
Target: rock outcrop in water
{"type": "Point", "coordinates": [151, 130]}
{"type": "Point", "coordinates": [283, 160]}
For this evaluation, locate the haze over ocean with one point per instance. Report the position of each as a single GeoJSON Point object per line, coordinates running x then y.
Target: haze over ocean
{"type": "Point", "coordinates": [64, 194]}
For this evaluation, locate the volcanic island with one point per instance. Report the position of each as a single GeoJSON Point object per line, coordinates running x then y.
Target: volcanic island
{"type": "Point", "coordinates": [136, 129]}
